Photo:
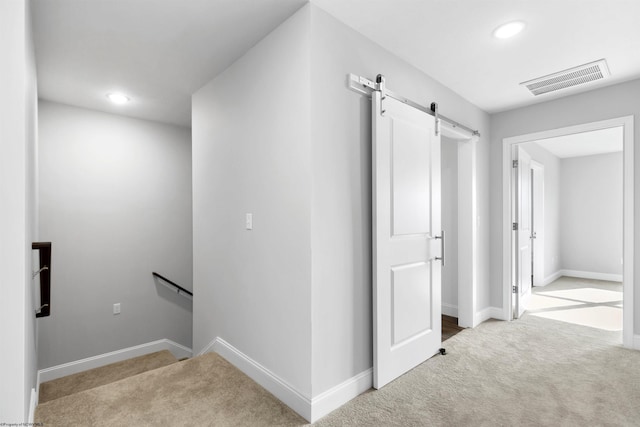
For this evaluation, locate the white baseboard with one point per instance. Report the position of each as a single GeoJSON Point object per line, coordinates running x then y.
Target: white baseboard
{"type": "Point", "coordinates": [636, 342]}
{"type": "Point", "coordinates": [310, 409]}
{"type": "Point", "coordinates": [552, 278]}
{"type": "Point", "coordinates": [38, 387]}
{"type": "Point", "coordinates": [59, 371]}
{"type": "Point", "coordinates": [32, 405]}
{"type": "Point", "coordinates": [497, 313]}
{"type": "Point", "coordinates": [263, 376]}
{"type": "Point", "coordinates": [486, 314]}
{"type": "Point", "coordinates": [449, 309]}
{"type": "Point", "coordinates": [592, 275]}
{"type": "Point", "coordinates": [337, 396]}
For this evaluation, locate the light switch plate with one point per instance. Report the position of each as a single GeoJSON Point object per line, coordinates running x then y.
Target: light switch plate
{"type": "Point", "coordinates": [249, 221]}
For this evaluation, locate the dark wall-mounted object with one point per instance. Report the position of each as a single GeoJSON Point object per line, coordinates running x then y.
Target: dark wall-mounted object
{"type": "Point", "coordinates": [45, 277]}
{"type": "Point", "coordinates": [179, 289]}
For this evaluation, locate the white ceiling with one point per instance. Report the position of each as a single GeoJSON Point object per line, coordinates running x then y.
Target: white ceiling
{"type": "Point", "coordinates": [585, 144]}
{"type": "Point", "coordinates": [156, 51]}
{"type": "Point", "coordinates": [452, 41]}
{"type": "Point", "coordinates": [161, 51]}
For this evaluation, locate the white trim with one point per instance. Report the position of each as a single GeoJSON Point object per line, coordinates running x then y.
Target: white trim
{"type": "Point", "coordinates": [628, 233]}
{"type": "Point", "coordinates": [537, 197]}
{"type": "Point", "coordinates": [488, 313]}
{"type": "Point", "coordinates": [467, 232]}
{"type": "Point", "coordinates": [310, 409]}
{"type": "Point", "coordinates": [496, 313]}
{"type": "Point", "coordinates": [628, 209]}
{"type": "Point", "coordinates": [581, 274]}
{"type": "Point", "coordinates": [449, 309]}
{"type": "Point", "coordinates": [592, 275]}
{"type": "Point", "coordinates": [337, 396]}
{"type": "Point", "coordinates": [59, 371]}
{"type": "Point", "coordinates": [263, 376]}
{"type": "Point", "coordinates": [38, 385]}
{"type": "Point", "coordinates": [208, 348]}
{"type": "Point", "coordinates": [552, 278]}
{"type": "Point", "coordinates": [507, 309]}
{"type": "Point", "coordinates": [32, 405]}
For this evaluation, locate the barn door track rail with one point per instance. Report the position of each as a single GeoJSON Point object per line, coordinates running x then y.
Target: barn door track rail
{"type": "Point", "coordinates": [365, 86]}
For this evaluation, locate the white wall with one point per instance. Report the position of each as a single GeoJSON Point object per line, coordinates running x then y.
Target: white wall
{"type": "Point", "coordinates": [591, 213]}
{"type": "Point", "coordinates": [18, 220]}
{"type": "Point", "coordinates": [251, 154]}
{"type": "Point", "coordinates": [449, 172]}
{"type": "Point", "coordinates": [341, 191]}
{"type": "Point", "coordinates": [292, 145]}
{"type": "Point", "coordinates": [552, 252]}
{"type": "Point", "coordinates": [115, 201]}
{"type": "Point", "coordinates": [610, 102]}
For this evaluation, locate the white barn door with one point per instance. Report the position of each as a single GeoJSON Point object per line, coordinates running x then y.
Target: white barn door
{"type": "Point", "coordinates": [406, 220]}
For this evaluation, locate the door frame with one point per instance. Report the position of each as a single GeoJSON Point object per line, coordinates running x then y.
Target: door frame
{"type": "Point", "coordinates": [519, 298]}
{"type": "Point", "coordinates": [628, 212]}
{"type": "Point", "coordinates": [467, 225]}
{"type": "Point", "coordinates": [537, 214]}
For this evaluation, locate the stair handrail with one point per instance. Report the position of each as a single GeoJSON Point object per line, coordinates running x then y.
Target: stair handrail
{"type": "Point", "coordinates": [44, 248]}
{"type": "Point", "coordinates": [179, 288]}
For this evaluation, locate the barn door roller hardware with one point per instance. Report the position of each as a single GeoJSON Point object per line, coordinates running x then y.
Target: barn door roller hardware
{"type": "Point", "coordinates": [365, 86]}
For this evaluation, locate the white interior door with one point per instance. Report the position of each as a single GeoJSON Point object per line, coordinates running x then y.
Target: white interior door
{"type": "Point", "coordinates": [538, 223]}
{"type": "Point", "coordinates": [406, 219]}
{"type": "Point", "coordinates": [524, 232]}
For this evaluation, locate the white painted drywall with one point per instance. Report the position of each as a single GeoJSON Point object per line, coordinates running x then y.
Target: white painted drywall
{"type": "Point", "coordinates": [613, 101]}
{"type": "Point", "coordinates": [18, 219]}
{"type": "Point", "coordinates": [591, 213]}
{"type": "Point", "coordinates": [280, 135]}
{"type": "Point", "coordinates": [115, 201]}
{"type": "Point", "coordinates": [341, 191]}
{"type": "Point", "coordinates": [552, 253]}
{"type": "Point", "coordinates": [449, 172]}
{"type": "Point", "coordinates": [251, 154]}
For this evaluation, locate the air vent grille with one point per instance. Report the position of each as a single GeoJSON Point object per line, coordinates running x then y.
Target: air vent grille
{"type": "Point", "coordinates": [572, 77]}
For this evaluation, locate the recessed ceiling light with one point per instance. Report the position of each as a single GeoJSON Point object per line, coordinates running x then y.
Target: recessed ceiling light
{"type": "Point", "coordinates": [509, 29]}
{"type": "Point", "coordinates": [118, 98]}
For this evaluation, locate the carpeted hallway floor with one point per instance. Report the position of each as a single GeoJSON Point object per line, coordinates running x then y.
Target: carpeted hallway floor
{"type": "Point", "coordinates": [531, 372]}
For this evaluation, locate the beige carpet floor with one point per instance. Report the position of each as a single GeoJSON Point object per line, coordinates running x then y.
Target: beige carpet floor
{"type": "Point", "coordinates": [203, 391]}
{"type": "Point", "coordinates": [81, 381]}
{"type": "Point", "coordinates": [532, 372]}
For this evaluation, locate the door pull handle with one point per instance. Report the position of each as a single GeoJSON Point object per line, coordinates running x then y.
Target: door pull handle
{"type": "Point", "coordinates": [441, 237]}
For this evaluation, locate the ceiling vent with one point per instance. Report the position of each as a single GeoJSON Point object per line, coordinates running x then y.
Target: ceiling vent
{"type": "Point", "coordinates": [581, 74]}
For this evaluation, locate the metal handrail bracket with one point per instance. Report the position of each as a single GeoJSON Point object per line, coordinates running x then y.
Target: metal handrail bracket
{"type": "Point", "coordinates": [45, 277]}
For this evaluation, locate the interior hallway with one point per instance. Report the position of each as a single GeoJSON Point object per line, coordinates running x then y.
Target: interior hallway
{"type": "Point", "coordinates": [533, 371]}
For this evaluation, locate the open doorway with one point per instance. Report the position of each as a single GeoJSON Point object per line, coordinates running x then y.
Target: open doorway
{"type": "Point", "coordinates": [459, 213]}
{"type": "Point", "coordinates": [581, 259]}
{"type": "Point", "coordinates": [449, 182]}
{"type": "Point", "coordinates": [582, 283]}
